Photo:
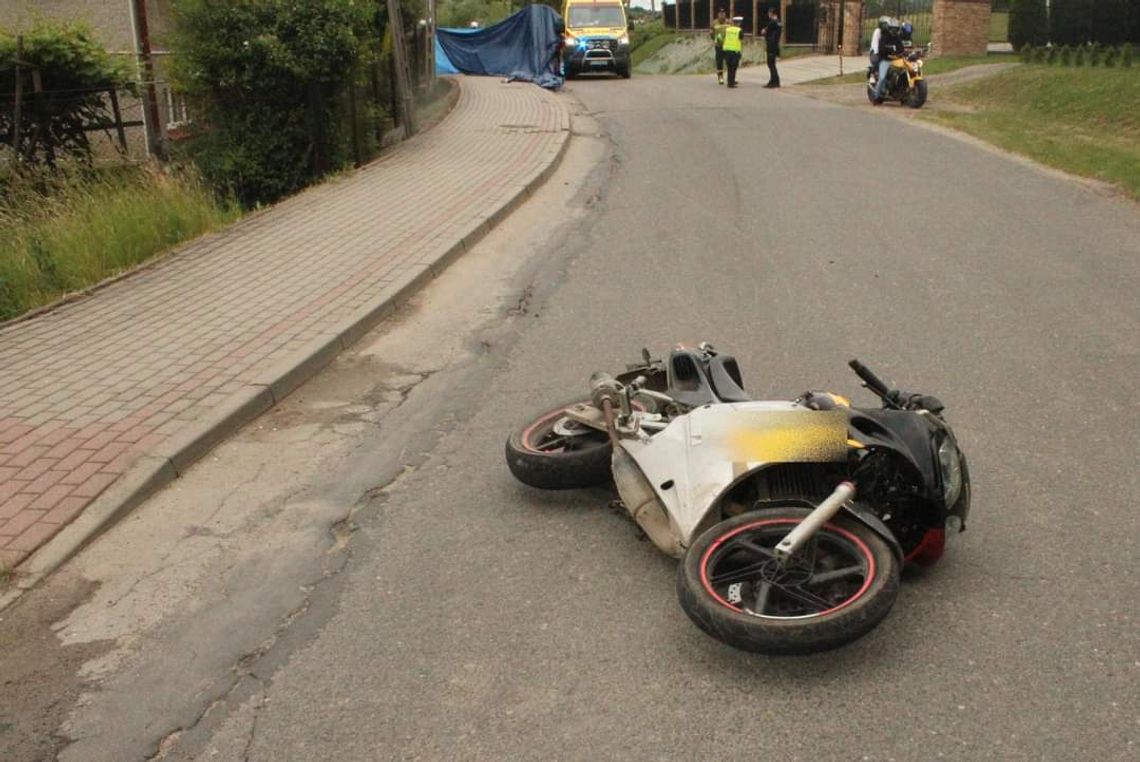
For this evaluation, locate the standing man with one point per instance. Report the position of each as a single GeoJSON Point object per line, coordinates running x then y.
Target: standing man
{"type": "Point", "coordinates": [772, 40]}
{"type": "Point", "coordinates": [732, 47]}
{"type": "Point", "coordinates": [719, 26]}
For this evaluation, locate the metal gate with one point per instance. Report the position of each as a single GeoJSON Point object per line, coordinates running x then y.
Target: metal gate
{"type": "Point", "coordinates": [920, 13]}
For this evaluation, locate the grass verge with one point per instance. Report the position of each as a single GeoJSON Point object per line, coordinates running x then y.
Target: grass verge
{"type": "Point", "coordinates": [1083, 121]}
{"type": "Point", "coordinates": [85, 228]}
{"type": "Point", "coordinates": [649, 47]}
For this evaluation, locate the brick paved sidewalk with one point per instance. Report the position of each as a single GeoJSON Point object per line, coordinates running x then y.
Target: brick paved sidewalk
{"type": "Point", "coordinates": [104, 400]}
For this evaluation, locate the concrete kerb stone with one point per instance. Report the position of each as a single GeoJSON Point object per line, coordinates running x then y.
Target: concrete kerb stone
{"type": "Point", "coordinates": [199, 437]}
{"type": "Point", "coordinates": [284, 377]}
{"type": "Point", "coordinates": [173, 458]}
{"type": "Point", "coordinates": [147, 476]}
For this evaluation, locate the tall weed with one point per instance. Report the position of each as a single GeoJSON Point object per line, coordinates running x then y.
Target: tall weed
{"type": "Point", "coordinates": [66, 233]}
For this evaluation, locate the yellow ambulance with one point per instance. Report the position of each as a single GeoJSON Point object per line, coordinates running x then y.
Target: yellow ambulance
{"type": "Point", "coordinates": [596, 37]}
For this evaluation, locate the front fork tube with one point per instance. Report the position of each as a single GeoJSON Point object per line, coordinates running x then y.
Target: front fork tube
{"type": "Point", "coordinates": [811, 524]}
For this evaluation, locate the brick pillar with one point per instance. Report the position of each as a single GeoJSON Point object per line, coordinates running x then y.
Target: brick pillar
{"type": "Point", "coordinates": [961, 27]}
{"type": "Point", "coordinates": [852, 21]}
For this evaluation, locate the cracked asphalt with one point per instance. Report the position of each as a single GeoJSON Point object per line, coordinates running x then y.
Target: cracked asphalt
{"type": "Point", "coordinates": [357, 576]}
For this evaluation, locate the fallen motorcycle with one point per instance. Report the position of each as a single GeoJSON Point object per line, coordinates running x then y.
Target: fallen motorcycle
{"type": "Point", "coordinates": [791, 519]}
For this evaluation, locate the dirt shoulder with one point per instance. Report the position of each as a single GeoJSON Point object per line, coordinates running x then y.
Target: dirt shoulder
{"type": "Point", "coordinates": [855, 94]}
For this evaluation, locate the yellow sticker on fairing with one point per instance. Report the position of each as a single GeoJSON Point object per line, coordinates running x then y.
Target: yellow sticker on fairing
{"type": "Point", "coordinates": [778, 436]}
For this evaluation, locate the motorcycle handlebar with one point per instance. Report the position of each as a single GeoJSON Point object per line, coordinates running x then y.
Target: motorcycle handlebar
{"type": "Point", "coordinates": [873, 382]}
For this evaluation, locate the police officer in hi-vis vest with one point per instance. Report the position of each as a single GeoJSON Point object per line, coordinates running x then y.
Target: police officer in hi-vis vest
{"type": "Point", "coordinates": [732, 47]}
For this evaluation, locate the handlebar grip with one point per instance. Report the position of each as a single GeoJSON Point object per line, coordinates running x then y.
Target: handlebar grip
{"type": "Point", "coordinates": [873, 382]}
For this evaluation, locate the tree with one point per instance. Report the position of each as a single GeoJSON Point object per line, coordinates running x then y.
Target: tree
{"type": "Point", "coordinates": [1028, 23]}
{"type": "Point", "coordinates": [268, 79]}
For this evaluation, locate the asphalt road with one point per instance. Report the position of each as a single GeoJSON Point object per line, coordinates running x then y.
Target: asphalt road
{"type": "Point", "coordinates": [479, 619]}
{"type": "Point", "coordinates": [484, 620]}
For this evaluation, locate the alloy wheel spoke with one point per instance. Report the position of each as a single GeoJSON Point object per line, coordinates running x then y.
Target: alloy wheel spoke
{"type": "Point", "coordinates": [757, 550]}
{"type": "Point", "coordinates": [736, 575]}
{"type": "Point", "coordinates": [552, 444]}
{"type": "Point", "coordinates": [763, 591]}
{"type": "Point", "coordinates": [804, 597]}
{"type": "Point", "coordinates": [831, 576]}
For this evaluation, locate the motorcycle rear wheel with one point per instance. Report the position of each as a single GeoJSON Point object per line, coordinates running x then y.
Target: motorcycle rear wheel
{"type": "Point", "coordinates": [555, 452]}
{"type": "Point", "coordinates": [835, 591]}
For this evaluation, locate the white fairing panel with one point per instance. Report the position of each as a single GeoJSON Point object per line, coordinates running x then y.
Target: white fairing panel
{"type": "Point", "coordinates": [699, 455]}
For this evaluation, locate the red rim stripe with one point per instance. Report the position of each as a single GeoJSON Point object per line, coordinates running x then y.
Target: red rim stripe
{"type": "Point", "coordinates": [831, 527]}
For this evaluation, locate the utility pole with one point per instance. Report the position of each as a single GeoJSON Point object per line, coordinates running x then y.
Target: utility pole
{"type": "Point", "coordinates": [430, 52]}
{"type": "Point", "coordinates": [151, 122]}
{"type": "Point", "coordinates": [404, 98]}
{"type": "Point", "coordinates": [19, 98]}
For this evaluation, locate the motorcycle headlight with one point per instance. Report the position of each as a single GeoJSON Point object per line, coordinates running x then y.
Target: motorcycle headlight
{"type": "Point", "coordinates": [950, 462]}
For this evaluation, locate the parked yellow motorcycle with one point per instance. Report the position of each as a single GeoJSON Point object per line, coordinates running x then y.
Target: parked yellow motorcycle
{"type": "Point", "coordinates": [905, 83]}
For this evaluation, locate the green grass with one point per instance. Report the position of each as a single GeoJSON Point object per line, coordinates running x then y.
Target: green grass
{"type": "Point", "coordinates": [643, 51]}
{"type": "Point", "coordinates": [1083, 121]}
{"type": "Point", "coordinates": [88, 228]}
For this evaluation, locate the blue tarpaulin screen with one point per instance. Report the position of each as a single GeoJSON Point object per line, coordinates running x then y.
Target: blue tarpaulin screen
{"type": "Point", "coordinates": [522, 46]}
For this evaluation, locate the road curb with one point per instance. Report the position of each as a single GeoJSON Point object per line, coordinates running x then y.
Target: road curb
{"type": "Point", "coordinates": [170, 460]}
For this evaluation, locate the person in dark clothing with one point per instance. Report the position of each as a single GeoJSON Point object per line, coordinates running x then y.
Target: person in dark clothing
{"type": "Point", "coordinates": [718, 29]}
{"type": "Point", "coordinates": [772, 40]}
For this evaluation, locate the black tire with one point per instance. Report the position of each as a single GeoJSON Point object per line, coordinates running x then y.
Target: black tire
{"type": "Point", "coordinates": [858, 601]}
{"type": "Point", "coordinates": [571, 72]}
{"type": "Point", "coordinates": [625, 71]}
{"type": "Point", "coordinates": [870, 94]}
{"type": "Point", "coordinates": [539, 457]}
{"type": "Point", "coordinates": [918, 96]}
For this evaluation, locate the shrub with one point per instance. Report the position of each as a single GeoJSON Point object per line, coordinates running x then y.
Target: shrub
{"type": "Point", "coordinates": [1054, 54]}
{"type": "Point", "coordinates": [1110, 57]}
{"type": "Point", "coordinates": [1095, 54]}
{"type": "Point", "coordinates": [1066, 55]}
{"type": "Point", "coordinates": [74, 73]}
{"type": "Point", "coordinates": [1126, 56]}
{"type": "Point", "coordinates": [1025, 53]}
{"type": "Point", "coordinates": [1079, 58]}
{"type": "Point", "coordinates": [1040, 54]}
{"type": "Point", "coordinates": [269, 79]}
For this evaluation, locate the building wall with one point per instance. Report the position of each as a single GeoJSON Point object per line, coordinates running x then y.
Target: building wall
{"type": "Point", "coordinates": [961, 27]}
{"type": "Point", "coordinates": [111, 19]}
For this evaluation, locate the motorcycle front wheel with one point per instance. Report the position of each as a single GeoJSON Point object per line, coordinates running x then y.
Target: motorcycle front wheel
{"type": "Point", "coordinates": [554, 451]}
{"type": "Point", "coordinates": [835, 590]}
{"type": "Point", "coordinates": [917, 96]}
